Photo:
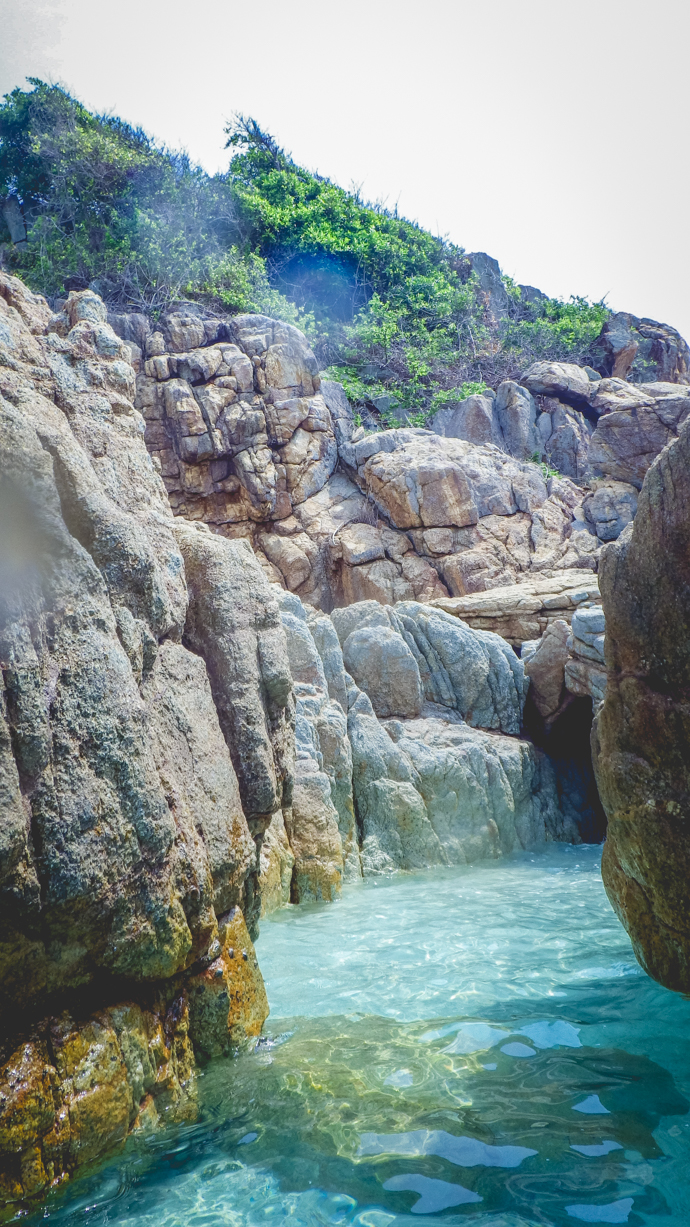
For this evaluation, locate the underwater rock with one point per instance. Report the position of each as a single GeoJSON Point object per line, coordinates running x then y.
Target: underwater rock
{"type": "Point", "coordinates": [74, 1089]}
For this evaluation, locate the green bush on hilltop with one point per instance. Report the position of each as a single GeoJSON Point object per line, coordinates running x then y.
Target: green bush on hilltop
{"type": "Point", "coordinates": [391, 309]}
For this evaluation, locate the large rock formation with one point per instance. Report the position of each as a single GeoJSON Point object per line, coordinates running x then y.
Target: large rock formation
{"type": "Point", "coordinates": [643, 730]}
{"type": "Point", "coordinates": [127, 865]}
{"type": "Point", "coordinates": [636, 424]}
{"type": "Point", "coordinates": [474, 514]}
{"type": "Point", "coordinates": [249, 441]}
{"type": "Point", "coordinates": [185, 745]}
{"type": "Point", "coordinates": [643, 347]}
{"type": "Point", "coordinates": [431, 786]}
{"type": "Point", "coordinates": [523, 611]}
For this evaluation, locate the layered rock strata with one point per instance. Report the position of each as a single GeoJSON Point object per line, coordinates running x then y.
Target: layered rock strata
{"type": "Point", "coordinates": [643, 730]}
{"type": "Point", "coordinates": [524, 611]}
{"type": "Point", "coordinates": [250, 441]}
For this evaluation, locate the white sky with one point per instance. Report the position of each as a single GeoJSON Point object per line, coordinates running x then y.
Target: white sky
{"type": "Point", "coordinates": [552, 134]}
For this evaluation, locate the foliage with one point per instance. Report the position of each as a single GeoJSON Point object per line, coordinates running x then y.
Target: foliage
{"type": "Point", "coordinates": [392, 310]}
{"type": "Point", "coordinates": [559, 331]}
{"type": "Point", "coordinates": [546, 469]}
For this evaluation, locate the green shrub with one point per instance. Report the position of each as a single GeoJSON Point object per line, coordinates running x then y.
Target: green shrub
{"type": "Point", "coordinates": [546, 470]}
{"type": "Point", "coordinates": [390, 308]}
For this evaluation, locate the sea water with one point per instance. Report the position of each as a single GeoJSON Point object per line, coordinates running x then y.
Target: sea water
{"type": "Point", "coordinates": [474, 1045]}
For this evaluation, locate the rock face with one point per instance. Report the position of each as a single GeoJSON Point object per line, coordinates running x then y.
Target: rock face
{"type": "Point", "coordinates": [521, 612]}
{"type": "Point", "coordinates": [293, 680]}
{"type": "Point", "coordinates": [656, 350]}
{"type": "Point", "coordinates": [610, 508]}
{"type": "Point", "coordinates": [125, 852]}
{"type": "Point", "coordinates": [250, 442]}
{"type": "Point", "coordinates": [643, 730]}
{"type": "Point", "coordinates": [545, 662]}
{"type": "Point", "coordinates": [321, 824]}
{"type": "Point", "coordinates": [506, 418]}
{"type": "Point", "coordinates": [636, 424]}
{"type": "Point", "coordinates": [470, 672]}
{"type": "Point", "coordinates": [562, 380]}
{"type": "Point", "coordinates": [74, 1091]}
{"type": "Point", "coordinates": [480, 518]}
{"type": "Point", "coordinates": [585, 670]}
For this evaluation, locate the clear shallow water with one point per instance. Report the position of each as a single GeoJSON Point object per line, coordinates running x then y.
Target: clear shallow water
{"type": "Point", "coordinates": [475, 1045]}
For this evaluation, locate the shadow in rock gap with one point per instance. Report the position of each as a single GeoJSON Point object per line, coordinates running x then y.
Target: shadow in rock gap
{"type": "Point", "coordinates": [567, 743]}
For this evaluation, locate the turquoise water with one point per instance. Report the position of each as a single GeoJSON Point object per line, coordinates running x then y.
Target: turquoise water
{"type": "Point", "coordinates": [475, 1045]}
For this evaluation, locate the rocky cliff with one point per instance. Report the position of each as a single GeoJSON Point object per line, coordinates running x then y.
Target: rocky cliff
{"type": "Point", "coordinates": [248, 440]}
{"type": "Point", "coordinates": [146, 732]}
{"type": "Point", "coordinates": [250, 652]}
{"type": "Point", "coordinates": [643, 730]}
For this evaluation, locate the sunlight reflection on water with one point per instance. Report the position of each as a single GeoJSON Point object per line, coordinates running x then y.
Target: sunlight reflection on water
{"type": "Point", "coordinates": [473, 1045]}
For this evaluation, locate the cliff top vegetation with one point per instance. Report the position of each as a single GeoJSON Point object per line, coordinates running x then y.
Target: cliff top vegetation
{"type": "Point", "coordinates": [396, 313]}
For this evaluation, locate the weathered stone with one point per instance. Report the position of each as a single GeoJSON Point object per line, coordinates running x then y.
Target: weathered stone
{"type": "Point", "coordinates": [586, 679]}
{"type": "Point", "coordinates": [562, 380]}
{"type": "Point", "coordinates": [277, 861]}
{"type": "Point", "coordinates": [660, 351]}
{"type": "Point", "coordinates": [321, 826]}
{"type": "Point", "coordinates": [619, 343]}
{"type": "Point", "coordinates": [340, 410]}
{"type": "Point", "coordinates": [69, 1094]}
{"type": "Point", "coordinates": [227, 1000]}
{"type": "Point", "coordinates": [517, 414]}
{"type": "Point", "coordinates": [285, 554]}
{"type": "Point", "coordinates": [480, 518]}
{"type": "Point", "coordinates": [546, 668]}
{"type": "Point", "coordinates": [118, 786]}
{"type": "Point", "coordinates": [361, 543]}
{"type": "Point", "coordinates": [433, 791]}
{"type": "Point", "coordinates": [610, 508]}
{"type": "Point", "coordinates": [381, 664]}
{"type": "Point", "coordinates": [100, 809]}
{"type": "Point", "coordinates": [627, 439]}
{"type": "Point", "coordinates": [312, 828]}
{"type": "Point", "coordinates": [489, 281]}
{"type": "Point", "coordinates": [234, 622]}
{"type": "Point", "coordinates": [471, 419]}
{"type": "Point", "coordinates": [568, 444]}
{"type": "Point", "coordinates": [471, 672]}
{"type": "Point", "coordinates": [519, 612]}
{"type": "Point", "coordinates": [196, 772]}
{"type": "Point", "coordinates": [643, 730]}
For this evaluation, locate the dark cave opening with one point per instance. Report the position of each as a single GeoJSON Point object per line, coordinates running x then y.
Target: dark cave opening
{"type": "Point", "coordinates": [567, 741]}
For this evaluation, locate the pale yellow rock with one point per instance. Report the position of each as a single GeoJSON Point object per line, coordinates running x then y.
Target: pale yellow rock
{"type": "Point", "coordinates": [277, 862]}
{"type": "Point", "coordinates": [312, 828]}
{"type": "Point", "coordinates": [227, 1001]}
{"type": "Point", "coordinates": [522, 611]}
